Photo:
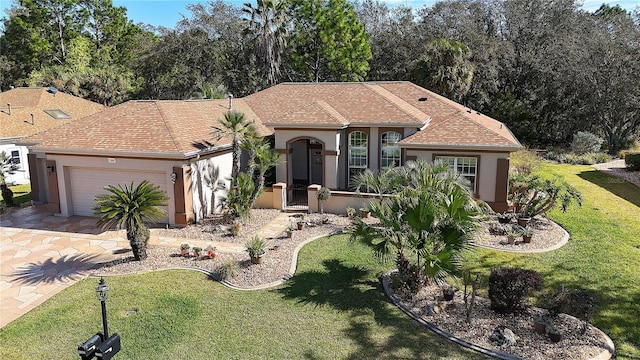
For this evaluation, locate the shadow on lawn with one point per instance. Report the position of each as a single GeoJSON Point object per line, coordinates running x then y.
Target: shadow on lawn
{"type": "Point", "coordinates": [354, 289]}
{"type": "Point", "coordinates": [614, 185]}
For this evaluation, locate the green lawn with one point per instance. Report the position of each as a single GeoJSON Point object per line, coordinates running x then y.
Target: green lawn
{"type": "Point", "coordinates": [333, 308]}
{"type": "Point", "coordinates": [21, 193]}
{"type": "Point", "coordinates": [602, 256]}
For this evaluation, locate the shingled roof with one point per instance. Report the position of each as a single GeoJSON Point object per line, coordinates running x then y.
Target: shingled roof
{"type": "Point", "coordinates": [148, 128]}
{"type": "Point", "coordinates": [17, 105]}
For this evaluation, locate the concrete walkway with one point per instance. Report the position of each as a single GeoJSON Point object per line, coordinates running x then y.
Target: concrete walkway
{"type": "Point", "coordinates": [42, 254]}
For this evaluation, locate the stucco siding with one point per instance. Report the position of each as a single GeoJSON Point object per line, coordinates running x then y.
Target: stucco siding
{"type": "Point", "coordinates": [205, 175]}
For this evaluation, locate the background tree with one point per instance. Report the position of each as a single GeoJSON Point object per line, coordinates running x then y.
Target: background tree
{"type": "Point", "coordinates": [129, 208]}
{"type": "Point", "coordinates": [328, 42]}
{"type": "Point", "coordinates": [267, 24]}
{"type": "Point", "coordinates": [445, 68]}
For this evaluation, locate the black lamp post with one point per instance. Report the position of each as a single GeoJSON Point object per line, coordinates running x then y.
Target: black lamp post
{"type": "Point", "coordinates": [102, 291]}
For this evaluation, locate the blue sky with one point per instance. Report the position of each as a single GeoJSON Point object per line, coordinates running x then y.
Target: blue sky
{"type": "Point", "coordinates": [168, 12]}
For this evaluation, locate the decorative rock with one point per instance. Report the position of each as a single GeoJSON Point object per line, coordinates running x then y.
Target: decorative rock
{"type": "Point", "coordinates": [503, 337]}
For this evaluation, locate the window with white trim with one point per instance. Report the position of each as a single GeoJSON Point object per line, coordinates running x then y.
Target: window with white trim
{"type": "Point", "coordinates": [358, 153]}
{"type": "Point", "coordinates": [465, 166]}
{"type": "Point", "coordinates": [15, 156]}
{"type": "Point", "coordinates": [389, 149]}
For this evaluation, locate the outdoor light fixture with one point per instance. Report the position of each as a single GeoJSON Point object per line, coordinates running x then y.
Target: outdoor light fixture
{"type": "Point", "coordinates": [173, 178]}
{"type": "Point", "coordinates": [102, 346]}
{"type": "Point", "coordinates": [102, 292]}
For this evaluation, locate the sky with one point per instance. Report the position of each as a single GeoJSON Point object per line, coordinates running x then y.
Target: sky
{"type": "Point", "coordinates": [168, 12]}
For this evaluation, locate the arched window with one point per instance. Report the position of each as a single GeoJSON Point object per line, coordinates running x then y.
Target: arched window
{"type": "Point", "coordinates": [389, 150]}
{"type": "Point", "coordinates": [358, 150]}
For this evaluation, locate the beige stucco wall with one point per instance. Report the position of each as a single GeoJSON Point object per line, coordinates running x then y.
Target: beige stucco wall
{"type": "Point", "coordinates": [205, 174]}
{"type": "Point", "coordinates": [488, 165]}
{"type": "Point", "coordinates": [265, 200]}
{"type": "Point", "coordinates": [331, 140]}
{"type": "Point", "coordinates": [64, 162]}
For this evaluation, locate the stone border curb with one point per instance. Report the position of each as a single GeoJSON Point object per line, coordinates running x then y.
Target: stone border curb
{"type": "Point", "coordinates": [606, 354]}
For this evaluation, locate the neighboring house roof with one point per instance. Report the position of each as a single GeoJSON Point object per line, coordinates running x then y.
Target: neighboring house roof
{"type": "Point", "coordinates": [147, 128]}
{"type": "Point", "coordinates": [17, 105]}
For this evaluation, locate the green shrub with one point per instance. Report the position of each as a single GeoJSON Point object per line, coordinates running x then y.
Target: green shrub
{"type": "Point", "coordinates": [510, 287]}
{"type": "Point", "coordinates": [525, 161]}
{"type": "Point", "coordinates": [227, 270]}
{"type": "Point", "coordinates": [633, 161]}
{"type": "Point", "coordinates": [586, 142]}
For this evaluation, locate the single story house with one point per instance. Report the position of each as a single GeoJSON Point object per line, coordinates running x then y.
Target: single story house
{"type": "Point", "coordinates": [326, 132]}
{"type": "Point", "coordinates": [25, 111]}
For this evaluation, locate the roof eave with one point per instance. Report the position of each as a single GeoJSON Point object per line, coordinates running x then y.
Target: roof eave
{"type": "Point", "coordinates": [305, 126]}
{"type": "Point", "coordinates": [114, 153]}
{"type": "Point", "coordinates": [500, 148]}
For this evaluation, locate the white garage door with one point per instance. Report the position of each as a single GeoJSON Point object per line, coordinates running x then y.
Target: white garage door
{"type": "Point", "coordinates": [86, 183]}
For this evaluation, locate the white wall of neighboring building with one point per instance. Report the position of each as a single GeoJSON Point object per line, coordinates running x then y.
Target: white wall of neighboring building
{"type": "Point", "coordinates": [205, 174]}
{"type": "Point", "coordinates": [21, 176]}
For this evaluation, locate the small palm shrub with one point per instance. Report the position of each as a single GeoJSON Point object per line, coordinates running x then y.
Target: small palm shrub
{"type": "Point", "coordinates": [227, 270]}
{"type": "Point", "coordinates": [510, 287]}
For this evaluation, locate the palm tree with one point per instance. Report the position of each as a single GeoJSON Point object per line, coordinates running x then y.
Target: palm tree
{"type": "Point", "coordinates": [446, 68]}
{"type": "Point", "coordinates": [433, 214]}
{"type": "Point", "coordinates": [130, 208]}
{"type": "Point", "coordinates": [268, 23]}
{"type": "Point", "coordinates": [235, 126]}
{"type": "Point", "coordinates": [261, 159]}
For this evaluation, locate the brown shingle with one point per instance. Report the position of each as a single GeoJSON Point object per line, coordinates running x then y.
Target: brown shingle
{"type": "Point", "coordinates": [27, 101]}
{"type": "Point", "coordinates": [167, 126]}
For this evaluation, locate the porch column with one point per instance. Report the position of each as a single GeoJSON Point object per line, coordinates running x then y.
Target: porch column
{"type": "Point", "coordinates": [331, 168]}
{"type": "Point", "coordinates": [279, 196]}
{"type": "Point", "coordinates": [312, 198]}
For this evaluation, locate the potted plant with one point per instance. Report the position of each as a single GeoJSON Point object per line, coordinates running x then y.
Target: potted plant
{"type": "Point", "coordinates": [301, 222]}
{"type": "Point", "coordinates": [351, 212]}
{"type": "Point", "coordinates": [323, 195]}
{"type": "Point", "coordinates": [184, 250]}
{"type": "Point", "coordinates": [256, 247]}
{"type": "Point", "coordinates": [325, 220]}
{"type": "Point", "coordinates": [364, 213]}
{"type": "Point", "coordinates": [554, 333]}
{"type": "Point", "coordinates": [540, 322]}
{"type": "Point", "coordinates": [212, 251]}
{"type": "Point", "coordinates": [447, 293]}
{"type": "Point", "coordinates": [196, 251]}
{"type": "Point", "coordinates": [504, 218]}
{"type": "Point", "coordinates": [527, 234]}
{"type": "Point", "coordinates": [512, 234]}
{"type": "Point", "coordinates": [290, 231]}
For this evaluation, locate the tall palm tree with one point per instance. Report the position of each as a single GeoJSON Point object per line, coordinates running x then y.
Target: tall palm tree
{"type": "Point", "coordinates": [235, 126]}
{"type": "Point", "coordinates": [261, 159]}
{"type": "Point", "coordinates": [267, 23]}
{"type": "Point", "coordinates": [130, 208]}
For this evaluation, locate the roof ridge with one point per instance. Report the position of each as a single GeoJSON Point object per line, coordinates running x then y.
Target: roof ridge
{"type": "Point", "coordinates": [475, 123]}
{"type": "Point", "coordinates": [398, 102]}
{"type": "Point", "coordinates": [331, 111]}
{"type": "Point", "coordinates": [166, 125]}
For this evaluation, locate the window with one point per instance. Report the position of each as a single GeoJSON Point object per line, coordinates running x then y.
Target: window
{"type": "Point", "coordinates": [57, 114]}
{"type": "Point", "coordinates": [389, 150]}
{"type": "Point", "coordinates": [15, 156]}
{"type": "Point", "coordinates": [358, 150]}
{"type": "Point", "coordinates": [465, 166]}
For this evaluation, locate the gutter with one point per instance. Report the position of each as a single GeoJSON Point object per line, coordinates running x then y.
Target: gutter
{"type": "Point", "coordinates": [130, 154]}
{"type": "Point", "coordinates": [436, 146]}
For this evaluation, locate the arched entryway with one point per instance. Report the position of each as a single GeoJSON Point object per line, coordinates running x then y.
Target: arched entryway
{"type": "Point", "coordinates": [305, 167]}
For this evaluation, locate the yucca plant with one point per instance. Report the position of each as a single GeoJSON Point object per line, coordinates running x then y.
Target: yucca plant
{"type": "Point", "coordinates": [130, 208]}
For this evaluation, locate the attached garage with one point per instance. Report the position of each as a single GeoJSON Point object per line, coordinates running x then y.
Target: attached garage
{"type": "Point", "coordinates": [86, 183]}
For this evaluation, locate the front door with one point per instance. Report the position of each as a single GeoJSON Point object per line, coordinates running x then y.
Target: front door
{"type": "Point", "coordinates": [315, 170]}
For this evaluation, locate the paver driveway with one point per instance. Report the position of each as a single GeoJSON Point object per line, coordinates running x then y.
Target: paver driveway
{"type": "Point", "coordinates": [41, 254]}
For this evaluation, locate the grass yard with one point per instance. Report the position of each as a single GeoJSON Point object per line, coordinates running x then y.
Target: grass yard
{"type": "Point", "coordinates": [332, 309]}
{"type": "Point", "coordinates": [21, 193]}
{"type": "Point", "coordinates": [602, 256]}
